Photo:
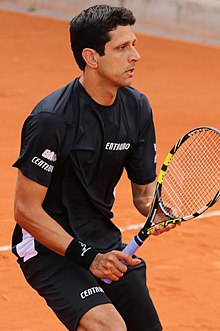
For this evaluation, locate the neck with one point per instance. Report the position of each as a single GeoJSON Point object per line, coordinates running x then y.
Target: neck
{"type": "Point", "coordinates": [99, 91]}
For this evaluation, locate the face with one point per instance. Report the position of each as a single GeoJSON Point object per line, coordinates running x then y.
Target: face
{"type": "Point", "coordinates": [116, 67]}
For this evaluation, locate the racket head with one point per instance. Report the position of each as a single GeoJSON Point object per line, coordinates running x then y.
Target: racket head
{"type": "Point", "coordinates": [189, 180]}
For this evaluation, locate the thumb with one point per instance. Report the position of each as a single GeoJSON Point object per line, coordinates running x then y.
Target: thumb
{"type": "Point", "coordinates": [131, 261]}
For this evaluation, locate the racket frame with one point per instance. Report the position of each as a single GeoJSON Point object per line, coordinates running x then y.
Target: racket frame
{"type": "Point", "coordinates": [149, 225]}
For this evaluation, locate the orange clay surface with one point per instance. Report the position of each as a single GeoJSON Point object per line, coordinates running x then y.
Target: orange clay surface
{"type": "Point", "coordinates": [182, 81]}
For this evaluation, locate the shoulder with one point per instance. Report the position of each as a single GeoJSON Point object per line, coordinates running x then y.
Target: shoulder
{"type": "Point", "coordinates": [56, 105]}
{"type": "Point", "coordinates": [44, 121]}
{"type": "Point", "coordinates": [136, 104]}
{"type": "Point", "coordinates": [133, 96]}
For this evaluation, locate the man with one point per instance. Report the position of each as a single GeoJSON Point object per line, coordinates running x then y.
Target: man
{"type": "Point", "coordinates": [75, 145]}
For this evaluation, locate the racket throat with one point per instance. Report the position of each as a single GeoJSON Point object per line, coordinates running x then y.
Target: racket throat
{"type": "Point", "coordinates": [141, 236]}
{"type": "Point", "coordinates": [138, 240]}
{"type": "Point", "coordinates": [144, 233]}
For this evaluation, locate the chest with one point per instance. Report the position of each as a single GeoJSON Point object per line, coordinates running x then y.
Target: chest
{"type": "Point", "coordinates": [103, 138]}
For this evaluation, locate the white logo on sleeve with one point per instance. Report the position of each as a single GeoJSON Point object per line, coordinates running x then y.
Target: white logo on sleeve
{"type": "Point", "coordinates": [49, 155]}
{"type": "Point", "coordinates": [42, 164]}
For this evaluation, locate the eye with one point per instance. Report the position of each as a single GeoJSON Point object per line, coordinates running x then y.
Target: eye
{"type": "Point", "coordinates": [122, 47]}
{"type": "Point", "coordinates": [134, 43]}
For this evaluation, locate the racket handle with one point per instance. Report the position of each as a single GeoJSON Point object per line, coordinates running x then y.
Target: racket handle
{"type": "Point", "coordinates": [133, 246]}
{"type": "Point", "coordinates": [129, 249]}
{"type": "Point", "coordinates": [106, 280]}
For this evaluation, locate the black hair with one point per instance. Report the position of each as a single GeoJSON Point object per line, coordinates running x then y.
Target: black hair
{"type": "Point", "coordinates": [90, 29]}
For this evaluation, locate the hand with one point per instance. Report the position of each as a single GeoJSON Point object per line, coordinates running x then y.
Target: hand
{"type": "Point", "coordinates": [109, 265]}
{"type": "Point", "coordinates": [160, 229]}
{"type": "Point", "coordinates": [159, 218]}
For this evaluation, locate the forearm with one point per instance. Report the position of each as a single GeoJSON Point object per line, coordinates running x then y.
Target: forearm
{"type": "Point", "coordinates": [143, 205]}
{"type": "Point", "coordinates": [142, 197]}
{"type": "Point", "coordinates": [43, 228]}
{"type": "Point", "coordinates": [30, 215]}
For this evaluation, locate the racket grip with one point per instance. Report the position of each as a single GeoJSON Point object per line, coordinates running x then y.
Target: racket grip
{"type": "Point", "coordinates": [133, 246]}
{"type": "Point", "coordinates": [106, 280]}
{"type": "Point", "coordinates": [129, 249]}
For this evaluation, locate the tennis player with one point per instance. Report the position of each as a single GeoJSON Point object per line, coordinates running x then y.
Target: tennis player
{"type": "Point", "coordinates": [74, 147]}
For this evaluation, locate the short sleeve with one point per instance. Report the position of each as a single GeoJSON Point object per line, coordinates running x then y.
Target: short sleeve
{"type": "Point", "coordinates": [41, 146]}
{"type": "Point", "coordinates": [141, 161]}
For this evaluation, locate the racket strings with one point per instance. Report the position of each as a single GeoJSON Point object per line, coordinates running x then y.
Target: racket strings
{"type": "Point", "coordinates": [193, 175]}
{"type": "Point", "coordinates": [209, 163]}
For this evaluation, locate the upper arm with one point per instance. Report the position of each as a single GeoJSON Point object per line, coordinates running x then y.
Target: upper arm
{"type": "Point", "coordinates": [141, 159]}
{"type": "Point", "coordinates": [41, 147]}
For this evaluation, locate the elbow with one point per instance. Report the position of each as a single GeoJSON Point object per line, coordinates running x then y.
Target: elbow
{"type": "Point", "coordinates": [20, 213]}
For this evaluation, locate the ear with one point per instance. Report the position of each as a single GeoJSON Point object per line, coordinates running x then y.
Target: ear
{"type": "Point", "coordinates": [89, 56]}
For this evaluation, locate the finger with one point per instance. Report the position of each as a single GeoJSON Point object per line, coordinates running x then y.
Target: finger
{"type": "Point", "coordinates": [126, 258]}
{"type": "Point", "coordinates": [159, 229]}
{"type": "Point", "coordinates": [170, 226]}
{"type": "Point", "coordinates": [113, 275]}
{"type": "Point", "coordinates": [114, 270]}
{"type": "Point", "coordinates": [130, 260]}
{"type": "Point", "coordinates": [116, 273]}
{"type": "Point", "coordinates": [119, 268]}
{"type": "Point", "coordinates": [113, 262]}
{"type": "Point", "coordinates": [155, 232]}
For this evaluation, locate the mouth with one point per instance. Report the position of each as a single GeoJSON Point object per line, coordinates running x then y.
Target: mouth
{"type": "Point", "coordinates": [130, 71]}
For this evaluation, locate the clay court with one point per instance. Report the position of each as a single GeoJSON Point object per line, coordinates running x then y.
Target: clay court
{"type": "Point", "coordinates": [182, 81]}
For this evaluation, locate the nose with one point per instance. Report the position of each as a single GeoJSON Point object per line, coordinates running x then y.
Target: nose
{"type": "Point", "coordinates": [135, 56]}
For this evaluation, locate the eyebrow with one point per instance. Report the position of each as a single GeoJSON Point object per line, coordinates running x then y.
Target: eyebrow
{"type": "Point", "coordinates": [124, 42]}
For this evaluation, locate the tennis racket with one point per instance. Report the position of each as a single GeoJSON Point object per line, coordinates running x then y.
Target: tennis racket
{"type": "Point", "coordinates": [188, 182]}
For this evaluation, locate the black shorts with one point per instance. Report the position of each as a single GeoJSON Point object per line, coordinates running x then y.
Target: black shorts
{"type": "Point", "coordinates": [70, 291]}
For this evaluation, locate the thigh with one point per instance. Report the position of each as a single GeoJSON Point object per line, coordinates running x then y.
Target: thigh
{"type": "Point", "coordinates": [102, 318]}
{"type": "Point", "coordinates": [69, 290]}
{"type": "Point", "coordinates": [131, 297]}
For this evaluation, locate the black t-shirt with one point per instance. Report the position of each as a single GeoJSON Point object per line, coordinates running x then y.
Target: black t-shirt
{"type": "Point", "coordinates": [79, 149]}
